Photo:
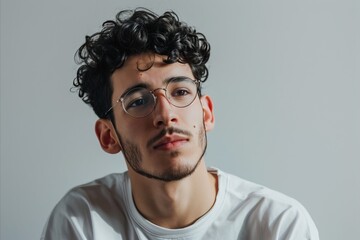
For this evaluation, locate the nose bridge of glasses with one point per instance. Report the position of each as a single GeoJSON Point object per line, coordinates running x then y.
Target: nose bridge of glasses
{"type": "Point", "coordinates": [156, 95]}
{"type": "Point", "coordinates": [153, 92]}
{"type": "Point", "coordinates": [157, 89]}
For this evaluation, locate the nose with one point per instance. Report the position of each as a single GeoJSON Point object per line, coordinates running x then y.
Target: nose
{"type": "Point", "coordinates": [163, 113]}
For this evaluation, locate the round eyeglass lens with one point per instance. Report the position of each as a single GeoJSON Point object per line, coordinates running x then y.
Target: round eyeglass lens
{"type": "Point", "coordinates": [139, 102]}
{"type": "Point", "coordinates": [181, 92]}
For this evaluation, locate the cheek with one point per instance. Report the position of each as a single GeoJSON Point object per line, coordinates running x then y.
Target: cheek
{"type": "Point", "coordinates": [130, 132]}
{"type": "Point", "coordinates": [196, 120]}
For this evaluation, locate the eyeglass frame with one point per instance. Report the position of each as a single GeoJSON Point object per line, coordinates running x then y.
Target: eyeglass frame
{"type": "Point", "coordinates": [121, 98]}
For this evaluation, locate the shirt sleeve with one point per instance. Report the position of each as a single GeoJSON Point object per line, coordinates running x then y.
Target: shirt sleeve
{"type": "Point", "coordinates": [274, 216]}
{"type": "Point", "coordinates": [294, 224]}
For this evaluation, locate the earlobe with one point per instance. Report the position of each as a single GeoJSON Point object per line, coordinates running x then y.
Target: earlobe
{"type": "Point", "coordinates": [209, 118]}
{"type": "Point", "coordinates": [106, 135]}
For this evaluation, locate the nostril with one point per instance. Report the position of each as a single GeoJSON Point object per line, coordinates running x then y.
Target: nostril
{"type": "Point", "coordinates": [160, 124]}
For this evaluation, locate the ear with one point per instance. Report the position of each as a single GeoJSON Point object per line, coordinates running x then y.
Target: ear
{"type": "Point", "coordinates": [209, 118]}
{"type": "Point", "coordinates": [107, 137]}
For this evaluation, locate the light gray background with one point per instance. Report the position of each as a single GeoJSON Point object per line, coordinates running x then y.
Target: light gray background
{"type": "Point", "coordinates": [284, 76]}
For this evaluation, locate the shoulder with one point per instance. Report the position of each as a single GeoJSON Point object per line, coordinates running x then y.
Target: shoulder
{"type": "Point", "coordinates": [95, 192]}
{"type": "Point", "coordinates": [246, 191]}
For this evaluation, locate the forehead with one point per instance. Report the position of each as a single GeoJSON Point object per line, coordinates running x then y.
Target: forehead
{"type": "Point", "coordinates": [134, 72]}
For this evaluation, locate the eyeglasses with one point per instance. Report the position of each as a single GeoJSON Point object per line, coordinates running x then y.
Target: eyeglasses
{"type": "Point", "coordinates": [140, 102]}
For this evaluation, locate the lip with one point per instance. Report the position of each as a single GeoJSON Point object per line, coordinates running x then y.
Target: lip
{"type": "Point", "coordinates": [170, 142]}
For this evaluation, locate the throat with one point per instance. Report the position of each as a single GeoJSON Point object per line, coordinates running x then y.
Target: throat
{"type": "Point", "coordinates": [178, 204]}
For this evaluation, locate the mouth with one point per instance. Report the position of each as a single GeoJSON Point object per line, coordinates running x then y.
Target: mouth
{"type": "Point", "coordinates": [170, 143]}
{"type": "Point", "coordinates": [169, 139]}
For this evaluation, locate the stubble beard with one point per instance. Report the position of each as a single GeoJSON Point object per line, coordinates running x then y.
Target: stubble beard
{"type": "Point", "coordinates": [133, 157]}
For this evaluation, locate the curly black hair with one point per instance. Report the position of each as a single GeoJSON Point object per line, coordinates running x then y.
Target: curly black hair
{"type": "Point", "coordinates": [134, 32]}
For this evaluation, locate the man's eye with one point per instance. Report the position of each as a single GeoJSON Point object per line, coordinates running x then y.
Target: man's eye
{"type": "Point", "coordinates": [180, 92]}
{"type": "Point", "coordinates": [137, 103]}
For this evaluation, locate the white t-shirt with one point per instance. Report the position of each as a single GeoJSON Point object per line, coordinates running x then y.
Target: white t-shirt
{"type": "Point", "coordinates": [104, 210]}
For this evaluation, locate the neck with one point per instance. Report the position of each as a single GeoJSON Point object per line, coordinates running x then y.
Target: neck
{"type": "Point", "coordinates": [175, 204]}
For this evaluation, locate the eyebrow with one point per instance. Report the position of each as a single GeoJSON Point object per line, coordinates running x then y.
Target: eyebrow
{"type": "Point", "coordinates": [147, 86]}
{"type": "Point", "coordinates": [140, 85]}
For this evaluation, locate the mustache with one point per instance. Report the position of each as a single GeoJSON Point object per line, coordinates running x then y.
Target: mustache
{"type": "Point", "coordinates": [170, 131]}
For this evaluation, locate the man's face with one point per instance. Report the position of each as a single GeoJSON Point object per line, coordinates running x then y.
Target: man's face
{"type": "Point", "coordinates": [169, 143]}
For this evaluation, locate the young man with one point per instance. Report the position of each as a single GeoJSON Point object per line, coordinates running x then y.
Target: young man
{"type": "Point", "coordinates": [142, 75]}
